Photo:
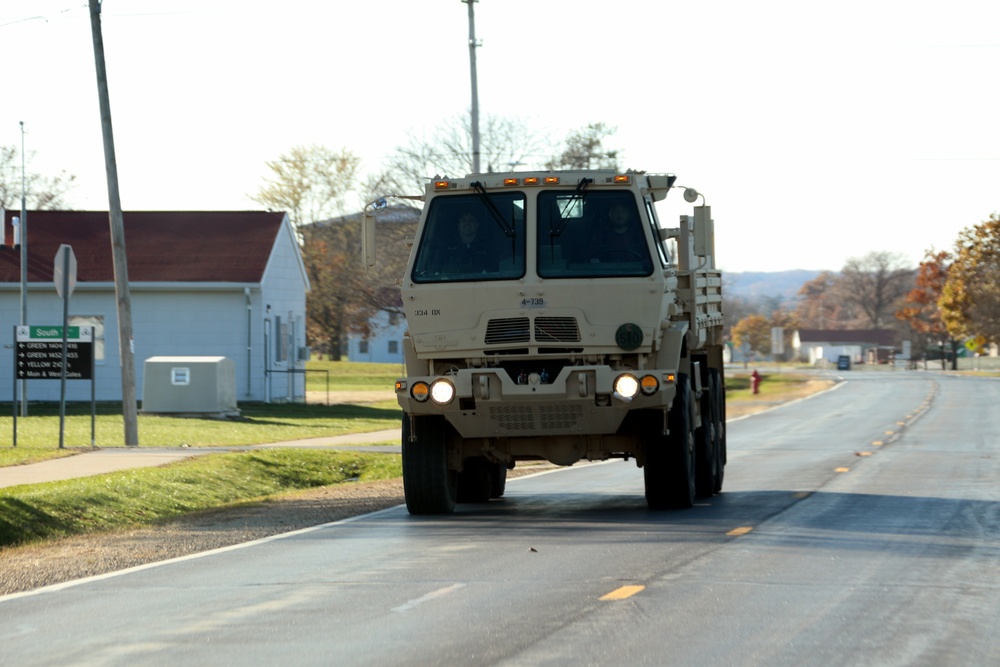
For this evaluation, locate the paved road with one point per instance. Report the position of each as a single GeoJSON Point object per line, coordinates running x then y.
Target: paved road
{"type": "Point", "coordinates": [859, 527]}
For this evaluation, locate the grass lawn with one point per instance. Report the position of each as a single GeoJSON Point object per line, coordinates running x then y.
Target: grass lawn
{"type": "Point", "coordinates": [124, 499]}
{"type": "Point", "coordinates": [351, 375]}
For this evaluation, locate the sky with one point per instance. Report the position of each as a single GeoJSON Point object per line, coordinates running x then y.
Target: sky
{"type": "Point", "coordinates": [818, 132]}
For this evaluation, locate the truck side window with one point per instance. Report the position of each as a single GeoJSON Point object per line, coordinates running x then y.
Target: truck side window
{"type": "Point", "coordinates": [466, 239]}
{"type": "Point", "coordinates": [661, 246]}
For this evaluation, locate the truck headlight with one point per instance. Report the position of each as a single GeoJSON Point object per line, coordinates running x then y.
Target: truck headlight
{"type": "Point", "coordinates": [442, 392]}
{"type": "Point", "coordinates": [626, 386]}
{"type": "Point", "coordinates": [649, 385]}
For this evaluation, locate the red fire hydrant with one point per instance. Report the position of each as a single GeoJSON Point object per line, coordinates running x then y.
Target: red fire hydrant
{"type": "Point", "coordinates": [755, 382]}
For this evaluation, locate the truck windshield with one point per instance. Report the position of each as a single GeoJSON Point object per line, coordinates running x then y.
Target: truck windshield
{"type": "Point", "coordinates": [598, 234]}
{"type": "Point", "coordinates": [472, 237]}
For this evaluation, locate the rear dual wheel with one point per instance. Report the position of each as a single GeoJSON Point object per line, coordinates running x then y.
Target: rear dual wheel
{"type": "Point", "coordinates": [481, 479]}
{"type": "Point", "coordinates": [709, 439]}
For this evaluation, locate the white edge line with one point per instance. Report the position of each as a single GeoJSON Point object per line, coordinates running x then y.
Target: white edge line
{"type": "Point", "coordinates": [836, 386]}
{"type": "Point", "coordinates": [180, 559]}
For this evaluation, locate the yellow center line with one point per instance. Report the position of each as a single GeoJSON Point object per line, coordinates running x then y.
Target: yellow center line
{"type": "Point", "coordinates": [742, 530]}
{"type": "Point", "coordinates": [841, 469]}
{"type": "Point", "coordinates": [863, 453]}
{"type": "Point", "coordinates": [623, 592]}
{"type": "Point", "coordinates": [877, 443]}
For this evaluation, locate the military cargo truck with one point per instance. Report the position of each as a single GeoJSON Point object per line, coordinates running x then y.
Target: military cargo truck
{"type": "Point", "coordinates": [551, 316]}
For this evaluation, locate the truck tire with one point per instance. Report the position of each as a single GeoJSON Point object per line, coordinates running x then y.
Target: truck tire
{"type": "Point", "coordinates": [498, 480]}
{"type": "Point", "coordinates": [475, 483]}
{"type": "Point", "coordinates": [669, 469]}
{"type": "Point", "coordinates": [707, 443]}
{"type": "Point", "coordinates": [428, 485]}
{"type": "Point", "coordinates": [719, 416]}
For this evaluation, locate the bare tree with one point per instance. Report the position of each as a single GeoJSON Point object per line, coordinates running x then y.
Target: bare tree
{"type": "Point", "coordinates": [877, 284]}
{"type": "Point", "coordinates": [40, 192]}
{"type": "Point", "coordinates": [504, 143]}
{"type": "Point", "coordinates": [309, 183]}
{"type": "Point", "coordinates": [584, 149]}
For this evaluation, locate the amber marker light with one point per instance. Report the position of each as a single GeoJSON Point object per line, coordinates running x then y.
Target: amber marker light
{"type": "Point", "coordinates": [420, 392]}
{"type": "Point", "coordinates": [531, 180]}
{"type": "Point", "coordinates": [400, 385]}
{"type": "Point", "coordinates": [511, 181]}
{"type": "Point", "coordinates": [669, 378]}
{"type": "Point", "coordinates": [551, 180]}
{"type": "Point", "coordinates": [441, 185]}
{"type": "Point", "coordinates": [649, 385]}
{"type": "Point", "coordinates": [623, 178]}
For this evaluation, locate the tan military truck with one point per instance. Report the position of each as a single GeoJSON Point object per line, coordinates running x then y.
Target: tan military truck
{"type": "Point", "coordinates": [552, 317]}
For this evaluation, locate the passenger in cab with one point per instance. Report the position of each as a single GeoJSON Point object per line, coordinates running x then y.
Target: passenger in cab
{"type": "Point", "coordinates": [618, 238]}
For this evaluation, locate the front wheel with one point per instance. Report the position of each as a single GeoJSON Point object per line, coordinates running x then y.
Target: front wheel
{"type": "Point", "coordinates": [669, 469]}
{"type": "Point", "coordinates": [428, 485]}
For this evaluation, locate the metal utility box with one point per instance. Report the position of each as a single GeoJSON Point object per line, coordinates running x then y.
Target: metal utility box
{"type": "Point", "coordinates": [203, 386]}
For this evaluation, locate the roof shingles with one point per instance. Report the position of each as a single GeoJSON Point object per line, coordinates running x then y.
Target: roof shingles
{"type": "Point", "coordinates": [161, 246]}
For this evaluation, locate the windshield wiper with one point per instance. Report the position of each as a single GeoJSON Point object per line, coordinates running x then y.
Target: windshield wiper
{"type": "Point", "coordinates": [508, 228]}
{"type": "Point", "coordinates": [578, 194]}
{"type": "Point", "coordinates": [484, 197]}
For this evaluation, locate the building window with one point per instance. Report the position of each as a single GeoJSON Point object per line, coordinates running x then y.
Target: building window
{"type": "Point", "coordinates": [280, 339]}
{"type": "Point", "coordinates": [96, 321]}
{"type": "Point", "coordinates": [393, 347]}
{"type": "Point", "coordinates": [395, 318]}
{"type": "Point", "coordinates": [363, 346]}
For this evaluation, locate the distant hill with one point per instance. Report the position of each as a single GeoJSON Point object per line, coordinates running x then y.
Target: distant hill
{"type": "Point", "coordinates": [759, 284]}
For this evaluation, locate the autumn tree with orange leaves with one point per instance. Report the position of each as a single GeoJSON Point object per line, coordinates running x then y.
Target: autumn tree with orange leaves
{"type": "Point", "coordinates": [970, 299]}
{"type": "Point", "coordinates": [920, 307]}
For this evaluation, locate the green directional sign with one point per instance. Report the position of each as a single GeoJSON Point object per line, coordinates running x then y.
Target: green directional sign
{"type": "Point", "coordinates": [39, 353]}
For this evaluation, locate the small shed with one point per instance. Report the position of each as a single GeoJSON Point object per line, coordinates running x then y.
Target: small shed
{"type": "Point", "coordinates": [203, 386]}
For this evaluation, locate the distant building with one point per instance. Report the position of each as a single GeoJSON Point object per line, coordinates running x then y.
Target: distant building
{"type": "Point", "coordinates": [861, 345]}
{"type": "Point", "coordinates": [218, 283]}
{"type": "Point", "coordinates": [383, 343]}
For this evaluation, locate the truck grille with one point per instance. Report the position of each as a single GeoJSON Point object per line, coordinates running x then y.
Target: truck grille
{"type": "Point", "coordinates": [546, 330]}
{"type": "Point", "coordinates": [508, 330]}
{"type": "Point", "coordinates": [514, 418]}
{"type": "Point", "coordinates": [556, 330]}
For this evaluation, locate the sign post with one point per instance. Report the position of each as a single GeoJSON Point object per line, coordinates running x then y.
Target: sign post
{"type": "Point", "coordinates": [64, 276]}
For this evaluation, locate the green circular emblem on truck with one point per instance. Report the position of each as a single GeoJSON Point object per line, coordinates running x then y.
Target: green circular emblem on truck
{"type": "Point", "coordinates": [628, 336]}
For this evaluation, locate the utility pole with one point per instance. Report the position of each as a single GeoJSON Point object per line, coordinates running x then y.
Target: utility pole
{"type": "Point", "coordinates": [129, 410]}
{"type": "Point", "coordinates": [473, 44]}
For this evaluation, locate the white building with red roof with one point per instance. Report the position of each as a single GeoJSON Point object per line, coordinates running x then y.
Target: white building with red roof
{"type": "Point", "coordinates": [202, 283]}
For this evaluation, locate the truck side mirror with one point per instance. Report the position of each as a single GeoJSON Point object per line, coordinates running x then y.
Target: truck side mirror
{"type": "Point", "coordinates": [368, 236]}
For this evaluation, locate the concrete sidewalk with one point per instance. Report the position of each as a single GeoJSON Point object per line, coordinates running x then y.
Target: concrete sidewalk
{"type": "Point", "coordinates": [107, 460]}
